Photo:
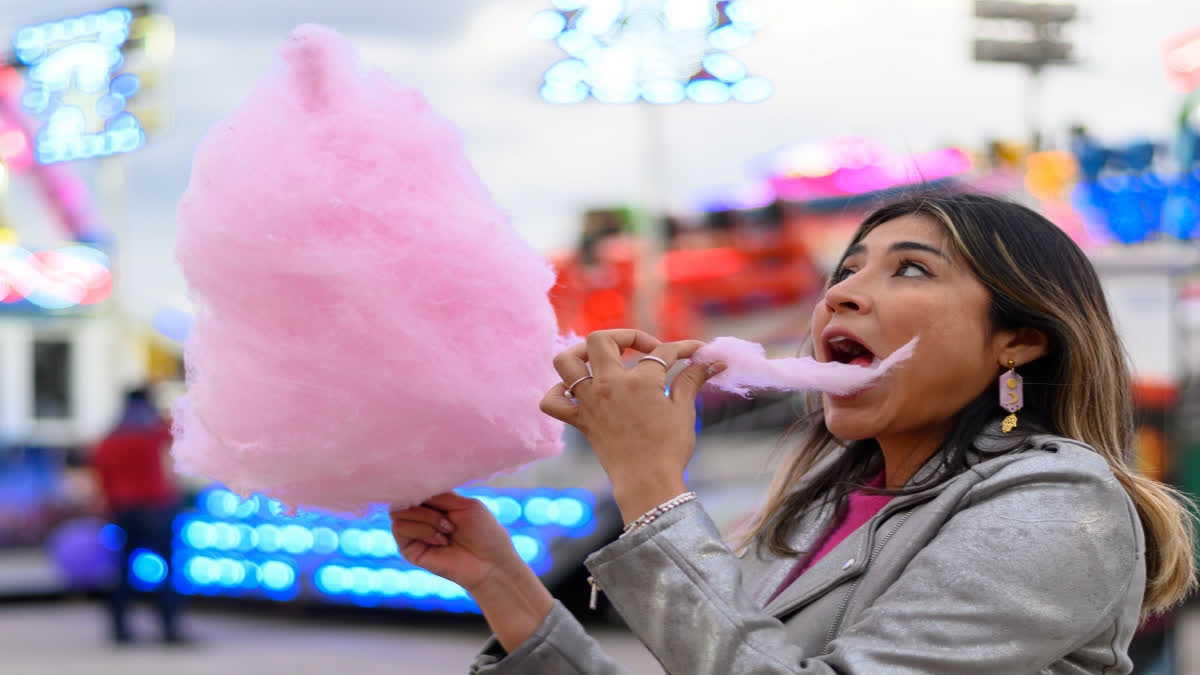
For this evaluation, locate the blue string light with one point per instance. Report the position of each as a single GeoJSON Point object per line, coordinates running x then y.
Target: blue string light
{"type": "Point", "coordinates": [147, 569]}
{"type": "Point", "coordinates": [227, 549]}
{"type": "Point", "coordinates": [112, 537]}
{"type": "Point", "coordinates": [1122, 196]}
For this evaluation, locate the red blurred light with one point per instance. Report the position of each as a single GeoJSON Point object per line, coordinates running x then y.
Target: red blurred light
{"type": "Point", "coordinates": [11, 82]}
{"type": "Point", "coordinates": [1181, 59]}
{"type": "Point", "coordinates": [685, 265]}
{"type": "Point", "coordinates": [605, 308]}
{"type": "Point", "coordinates": [13, 144]}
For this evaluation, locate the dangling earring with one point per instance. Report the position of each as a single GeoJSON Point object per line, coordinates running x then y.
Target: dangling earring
{"type": "Point", "coordinates": [1012, 396]}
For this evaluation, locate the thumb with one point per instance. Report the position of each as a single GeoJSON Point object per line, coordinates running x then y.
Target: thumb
{"type": "Point", "coordinates": [687, 383]}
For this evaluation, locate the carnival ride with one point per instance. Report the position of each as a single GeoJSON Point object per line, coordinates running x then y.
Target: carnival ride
{"type": "Point", "coordinates": [747, 261]}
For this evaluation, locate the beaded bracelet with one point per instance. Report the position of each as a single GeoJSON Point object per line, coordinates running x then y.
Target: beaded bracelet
{"type": "Point", "coordinates": [656, 512]}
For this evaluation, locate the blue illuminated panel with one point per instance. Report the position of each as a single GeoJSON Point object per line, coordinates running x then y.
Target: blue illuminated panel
{"type": "Point", "coordinates": [251, 548]}
{"type": "Point", "coordinates": [75, 86]}
{"type": "Point", "coordinates": [1133, 208]}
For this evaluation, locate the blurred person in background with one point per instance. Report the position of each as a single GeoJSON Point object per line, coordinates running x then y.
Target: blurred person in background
{"type": "Point", "coordinates": [951, 518]}
{"type": "Point", "coordinates": [141, 497]}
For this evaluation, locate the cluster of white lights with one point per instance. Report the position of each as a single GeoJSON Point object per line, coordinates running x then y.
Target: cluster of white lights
{"type": "Point", "coordinates": [74, 86]}
{"type": "Point", "coordinates": [659, 51]}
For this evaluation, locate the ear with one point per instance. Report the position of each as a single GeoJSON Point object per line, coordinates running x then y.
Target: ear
{"type": "Point", "coordinates": [1021, 345]}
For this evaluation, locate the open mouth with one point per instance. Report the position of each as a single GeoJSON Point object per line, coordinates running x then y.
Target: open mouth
{"type": "Point", "coordinates": [849, 351]}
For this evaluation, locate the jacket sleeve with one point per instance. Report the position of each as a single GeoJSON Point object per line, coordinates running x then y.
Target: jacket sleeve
{"type": "Point", "coordinates": [1031, 567]}
{"type": "Point", "coordinates": [558, 646]}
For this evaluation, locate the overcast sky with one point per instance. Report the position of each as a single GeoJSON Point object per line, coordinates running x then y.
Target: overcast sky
{"type": "Point", "coordinates": [895, 70]}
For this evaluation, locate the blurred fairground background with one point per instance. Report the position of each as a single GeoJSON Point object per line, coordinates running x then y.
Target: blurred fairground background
{"type": "Point", "coordinates": [688, 166]}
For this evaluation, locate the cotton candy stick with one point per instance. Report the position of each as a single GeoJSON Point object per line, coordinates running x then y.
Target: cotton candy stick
{"type": "Point", "coordinates": [748, 369]}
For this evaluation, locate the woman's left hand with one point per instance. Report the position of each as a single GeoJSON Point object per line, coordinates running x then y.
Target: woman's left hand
{"type": "Point", "coordinates": [643, 438]}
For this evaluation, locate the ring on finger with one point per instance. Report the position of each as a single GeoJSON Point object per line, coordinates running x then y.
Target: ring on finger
{"type": "Point", "coordinates": [569, 392]}
{"type": "Point", "coordinates": [650, 357]}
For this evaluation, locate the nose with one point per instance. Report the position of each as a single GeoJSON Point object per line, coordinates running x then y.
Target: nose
{"type": "Point", "coordinates": [847, 296]}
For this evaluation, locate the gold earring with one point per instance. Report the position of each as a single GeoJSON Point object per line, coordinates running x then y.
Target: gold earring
{"type": "Point", "coordinates": [1012, 396]}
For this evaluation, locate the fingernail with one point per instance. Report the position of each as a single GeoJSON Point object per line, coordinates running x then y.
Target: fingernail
{"type": "Point", "coordinates": [445, 526]}
{"type": "Point", "coordinates": [440, 539]}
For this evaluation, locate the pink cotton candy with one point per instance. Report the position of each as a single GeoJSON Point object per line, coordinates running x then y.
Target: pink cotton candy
{"type": "Point", "coordinates": [370, 327]}
{"type": "Point", "coordinates": [749, 369]}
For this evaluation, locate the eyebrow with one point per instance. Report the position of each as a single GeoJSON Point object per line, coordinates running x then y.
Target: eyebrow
{"type": "Point", "coordinates": [899, 246]}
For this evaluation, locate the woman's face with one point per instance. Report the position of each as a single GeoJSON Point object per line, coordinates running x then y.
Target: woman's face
{"type": "Point", "coordinates": [905, 279]}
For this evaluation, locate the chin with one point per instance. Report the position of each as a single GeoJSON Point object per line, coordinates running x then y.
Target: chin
{"type": "Point", "coordinates": [852, 423]}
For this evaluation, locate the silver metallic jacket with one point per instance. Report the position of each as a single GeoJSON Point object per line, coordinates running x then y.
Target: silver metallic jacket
{"type": "Point", "coordinates": [1030, 562]}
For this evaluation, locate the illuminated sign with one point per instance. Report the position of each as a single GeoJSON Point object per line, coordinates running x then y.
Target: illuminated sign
{"type": "Point", "coordinates": [54, 279]}
{"type": "Point", "coordinates": [75, 87]}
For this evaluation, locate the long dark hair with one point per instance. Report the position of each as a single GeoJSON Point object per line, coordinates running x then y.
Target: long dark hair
{"type": "Point", "coordinates": [1081, 389]}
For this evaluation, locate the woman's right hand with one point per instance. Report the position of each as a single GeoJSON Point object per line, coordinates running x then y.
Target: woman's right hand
{"type": "Point", "coordinates": [456, 538]}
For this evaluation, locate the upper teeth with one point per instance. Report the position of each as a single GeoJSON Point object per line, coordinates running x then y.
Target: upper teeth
{"type": "Point", "coordinates": [838, 339]}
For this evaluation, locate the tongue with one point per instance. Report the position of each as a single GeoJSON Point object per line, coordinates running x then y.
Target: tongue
{"type": "Point", "coordinates": [862, 360]}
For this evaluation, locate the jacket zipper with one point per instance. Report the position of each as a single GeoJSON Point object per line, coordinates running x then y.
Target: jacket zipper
{"type": "Point", "coordinates": [595, 593]}
{"type": "Point", "coordinates": [841, 613]}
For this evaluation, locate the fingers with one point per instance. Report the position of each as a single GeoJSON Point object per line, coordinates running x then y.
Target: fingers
{"type": "Point", "coordinates": [688, 347]}
{"type": "Point", "coordinates": [406, 531]}
{"type": "Point", "coordinates": [434, 517]}
{"type": "Point", "coordinates": [687, 383]}
{"type": "Point", "coordinates": [670, 352]}
{"type": "Point", "coordinates": [571, 364]}
{"type": "Point", "coordinates": [601, 354]}
{"type": "Point", "coordinates": [421, 523]}
{"type": "Point", "coordinates": [604, 349]}
{"type": "Point", "coordinates": [556, 404]}
{"type": "Point", "coordinates": [412, 549]}
{"type": "Point", "coordinates": [606, 346]}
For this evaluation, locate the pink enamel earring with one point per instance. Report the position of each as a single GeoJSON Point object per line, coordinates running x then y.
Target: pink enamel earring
{"type": "Point", "coordinates": [1012, 396]}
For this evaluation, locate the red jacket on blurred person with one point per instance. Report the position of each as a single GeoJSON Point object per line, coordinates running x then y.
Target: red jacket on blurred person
{"type": "Point", "coordinates": [130, 462]}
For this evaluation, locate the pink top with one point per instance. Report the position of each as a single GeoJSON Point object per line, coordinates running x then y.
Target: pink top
{"type": "Point", "coordinates": [860, 508]}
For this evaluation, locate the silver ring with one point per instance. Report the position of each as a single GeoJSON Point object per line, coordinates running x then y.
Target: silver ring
{"type": "Point", "coordinates": [655, 358]}
{"type": "Point", "coordinates": [570, 394]}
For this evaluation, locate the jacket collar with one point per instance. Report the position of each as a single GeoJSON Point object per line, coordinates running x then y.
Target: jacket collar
{"type": "Point", "coordinates": [842, 563]}
{"type": "Point", "coordinates": [766, 571]}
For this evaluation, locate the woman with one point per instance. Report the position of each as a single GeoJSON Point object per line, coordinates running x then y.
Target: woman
{"type": "Point", "coordinates": [915, 529]}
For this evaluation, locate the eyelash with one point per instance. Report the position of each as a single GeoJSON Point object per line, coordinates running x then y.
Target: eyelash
{"type": "Point", "coordinates": [840, 276]}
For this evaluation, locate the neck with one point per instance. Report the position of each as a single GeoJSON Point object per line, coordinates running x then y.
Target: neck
{"type": "Point", "coordinates": [904, 454]}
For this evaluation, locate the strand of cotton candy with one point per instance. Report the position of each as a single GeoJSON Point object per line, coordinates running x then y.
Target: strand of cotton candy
{"type": "Point", "coordinates": [370, 328]}
{"type": "Point", "coordinates": [748, 369]}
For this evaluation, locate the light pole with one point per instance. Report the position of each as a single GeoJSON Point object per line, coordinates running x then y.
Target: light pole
{"type": "Point", "coordinates": [1044, 45]}
{"type": "Point", "coordinates": [652, 53]}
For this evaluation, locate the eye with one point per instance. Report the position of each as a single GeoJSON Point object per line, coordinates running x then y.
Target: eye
{"type": "Point", "coordinates": [840, 275]}
{"type": "Point", "coordinates": [909, 268]}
